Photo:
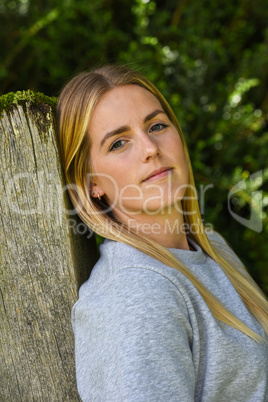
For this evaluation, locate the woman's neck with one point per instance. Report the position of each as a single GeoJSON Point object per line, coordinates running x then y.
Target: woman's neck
{"type": "Point", "coordinates": [166, 228]}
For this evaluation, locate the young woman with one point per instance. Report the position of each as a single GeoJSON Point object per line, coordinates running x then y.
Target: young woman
{"type": "Point", "coordinates": [169, 313]}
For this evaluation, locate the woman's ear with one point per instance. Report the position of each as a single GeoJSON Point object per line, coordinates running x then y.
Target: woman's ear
{"type": "Point", "coordinates": [96, 191]}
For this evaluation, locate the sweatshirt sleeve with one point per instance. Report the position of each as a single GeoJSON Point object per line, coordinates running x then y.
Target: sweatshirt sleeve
{"type": "Point", "coordinates": [133, 341]}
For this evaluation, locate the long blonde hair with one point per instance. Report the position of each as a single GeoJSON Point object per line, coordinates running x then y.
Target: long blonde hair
{"type": "Point", "coordinates": [75, 107]}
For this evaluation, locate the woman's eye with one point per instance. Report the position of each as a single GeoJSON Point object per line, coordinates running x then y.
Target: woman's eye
{"type": "Point", "coordinates": [158, 127]}
{"type": "Point", "coordinates": [117, 145]}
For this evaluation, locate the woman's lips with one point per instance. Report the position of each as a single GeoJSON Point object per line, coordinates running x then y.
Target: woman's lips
{"type": "Point", "coordinates": [158, 174]}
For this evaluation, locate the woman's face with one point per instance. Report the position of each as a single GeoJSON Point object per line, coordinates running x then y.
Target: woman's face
{"type": "Point", "coordinates": [137, 156]}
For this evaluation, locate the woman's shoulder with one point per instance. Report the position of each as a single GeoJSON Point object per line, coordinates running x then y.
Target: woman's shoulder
{"type": "Point", "coordinates": [116, 256]}
{"type": "Point", "coordinates": [126, 280]}
{"type": "Point", "coordinates": [123, 321]}
{"type": "Point", "coordinates": [215, 237]}
{"type": "Point", "coordinates": [222, 246]}
{"type": "Point", "coordinates": [125, 269]}
{"type": "Point", "coordinates": [122, 255]}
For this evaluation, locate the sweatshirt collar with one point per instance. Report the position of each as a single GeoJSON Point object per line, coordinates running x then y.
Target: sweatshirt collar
{"type": "Point", "coordinates": [188, 256]}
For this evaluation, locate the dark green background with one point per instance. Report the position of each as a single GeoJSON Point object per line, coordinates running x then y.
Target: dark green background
{"type": "Point", "coordinates": [209, 58]}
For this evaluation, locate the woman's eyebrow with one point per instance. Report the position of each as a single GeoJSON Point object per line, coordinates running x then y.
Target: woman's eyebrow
{"type": "Point", "coordinates": [153, 114]}
{"type": "Point", "coordinates": [122, 129]}
{"type": "Point", "coordinates": [114, 132]}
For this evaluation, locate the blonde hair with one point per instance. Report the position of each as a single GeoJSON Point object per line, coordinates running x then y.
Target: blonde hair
{"type": "Point", "coordinates": [75, 107]}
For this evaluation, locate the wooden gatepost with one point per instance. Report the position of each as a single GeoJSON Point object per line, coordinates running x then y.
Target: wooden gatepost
{"type": "Point", "coordinates": [46, 253]}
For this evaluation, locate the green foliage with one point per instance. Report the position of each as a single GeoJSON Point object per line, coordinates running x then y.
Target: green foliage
{"type": "Point", "coordinates": [209, 58]}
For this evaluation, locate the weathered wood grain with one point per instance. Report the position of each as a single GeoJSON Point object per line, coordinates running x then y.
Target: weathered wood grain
{"type": "Point", "coordinates": [42, 261]}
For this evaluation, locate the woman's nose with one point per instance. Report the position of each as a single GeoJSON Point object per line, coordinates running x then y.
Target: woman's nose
{"type": "Point", "coordinates": [149, 148]}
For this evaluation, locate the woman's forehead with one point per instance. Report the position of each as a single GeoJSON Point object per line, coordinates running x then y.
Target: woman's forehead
{"type": "Point", "coordinates": [124, 100]}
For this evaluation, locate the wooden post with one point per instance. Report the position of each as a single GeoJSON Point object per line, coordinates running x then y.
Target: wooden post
{"type": "Point", "coordinates": [45, 253]}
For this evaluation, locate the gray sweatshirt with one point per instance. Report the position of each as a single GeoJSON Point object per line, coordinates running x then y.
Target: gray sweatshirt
{"type": "Point", "coordinates": [143, 333]}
